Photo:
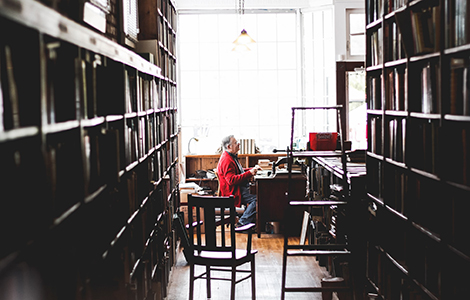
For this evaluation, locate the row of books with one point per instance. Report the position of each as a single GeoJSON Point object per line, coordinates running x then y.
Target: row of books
{"type": "Point", "coordinates": [376, 44]}
{"type": "Point", "coordinates": [395, 49]}
{"type": "Point", "coordinates": [70, 69]}
{"type": "Point", "coordinates": [459, 103]}
{"type": "Point", "coordinates": [73, 166]}
{"type": "Point", "coordinates": [104, 17]}
{"type": "Point", "coordinates": [375, 10]}
{"type": "Point", "coordinates": [397, 139]}
{"type": "Point", "coordinates": [457, 23]}
{"type": "Point", "coordinates": [396, 188]}
{"type": "Point", "coordinates": [145, 133]}
{"type": "Point", "coordinates": [392, 5]}
{"type": "Point", "coordinates": [420, 30]}
{"type": "Point", "coordinates": [19, 98]}
{"type": "Point", "coordinates": [396, 89]}
{"type": "Point", "coordinates": [247, 146]}
{"type": "Point", "coordinates": [423, 142]}
{"type": "Point", "coordinates": [419, 198]}
{"type": "Point", "coordinates": [374, 86]}
{"type": "Point", "coordinates": [430, 94]}
{"type": "Point", "coordinates": [140, 253]}
{"type": "Point", "coordinates": [166, 36]}
{"type": "Point", "coordinates": [168, 65]}
{"type": "Point", "coordinates": [60, 78]}
{"type": "Point", "coordinates": [413, 253]}
{"type": "Point", "coordinates": [142, 92]}
{"type": "Point", "coordinates": [102, 157]}
{"type": "Point", "coordinates": [457, 166]}
{"type": "Point", "coordinates": [157, 35]}
{"type": "Point", "coordinates": [375, 138]}
{"type": "Point", "coordinates": [374, 176]}
{"type": "Point", "coordinates": [96, 75]}
{"type": "Point", "coordinates": [168, 11]}
{"type": "Point", "coordinates": [395, 146]}
{"type": "Point", "coordinates": [26, 206]}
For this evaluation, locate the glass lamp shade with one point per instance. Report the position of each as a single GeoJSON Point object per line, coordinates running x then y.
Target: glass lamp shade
{"type": "Point", "coordinates": [243, 39]}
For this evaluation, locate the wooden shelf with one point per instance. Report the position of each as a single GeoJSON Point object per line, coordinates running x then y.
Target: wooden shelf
{"type": "Point", "coordinates": [419, 128]}
{"type": "Point", "coordinates": [89, 140]}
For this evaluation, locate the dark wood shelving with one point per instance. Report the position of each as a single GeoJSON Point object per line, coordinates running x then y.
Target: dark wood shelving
{"type": "Point", "coordinates": [89, 152]}
{"type": "Point", "coordinates": [420, 190]}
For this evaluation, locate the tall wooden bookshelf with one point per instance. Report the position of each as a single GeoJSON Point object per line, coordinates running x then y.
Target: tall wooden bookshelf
{"type": "Point", "coordinates": [418, 159]}
{"type": "Point", "coordinates": [88, 161]}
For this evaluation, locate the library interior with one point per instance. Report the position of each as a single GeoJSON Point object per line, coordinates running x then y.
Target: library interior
{"type": "Point", "coordinates": [152, 130]}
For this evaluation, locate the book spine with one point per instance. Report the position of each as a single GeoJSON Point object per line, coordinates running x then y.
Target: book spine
{"type": "Point", "coordinates": [12, 100]}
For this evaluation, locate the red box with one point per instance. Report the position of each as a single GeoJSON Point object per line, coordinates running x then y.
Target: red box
{"type": "Point", "coordinates": [323, 141]}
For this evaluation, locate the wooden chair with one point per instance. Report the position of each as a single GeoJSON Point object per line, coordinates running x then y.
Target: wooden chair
{"type": "Point", "coordinates": [216, 248]}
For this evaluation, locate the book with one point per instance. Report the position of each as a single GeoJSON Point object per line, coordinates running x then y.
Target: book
{"type": "Point", "coordinates": [1, 95]}
{"type": "Point", "coordinates": [399, 81]}
{"type": "Point", "coordinates": [436, 26]}
{"type": "Point", "coordinates": [465, 156]}
{"type": "Point", "coordinates": [449, 7]}
{"type": "Point", "coordinates": [423, 35]}
{"type": "Point", "coordinates": [375, 92]}
{"type": "Point", "coordinates": [466, 91]}
{"type": "Point", "coordinates": [426, 90]}
{"type": "Point", "coordinates": [403, 135]}
{"type": "Point", "coordinates": [456, 86]}
{"type": "Point", "coordinates": [11, 114]}
{"type": "Point", "coordinates": [392, 125]}
{"type": "Point", "coordinates": [376, 135]}
{"type": "Point", "coordinates": [52, 53]}
{"type": "Point", "coordinates": [419, 30]}
{"type": "Point", "coordinates": [403, 21]}
{"type": "Point", "coordinates": [390, 90]}
{"type": "Point", "coordinates": [461, 23]}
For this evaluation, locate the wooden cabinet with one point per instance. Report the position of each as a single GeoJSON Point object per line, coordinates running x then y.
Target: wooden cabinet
{"type": "Point", "coordinates": [418, 156]}
{"type": "Point", "coordinates": [88, 155]}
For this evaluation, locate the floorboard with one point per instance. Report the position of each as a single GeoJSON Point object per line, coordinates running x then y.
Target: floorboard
{"type": "Point", "coordinates": [301, 271]}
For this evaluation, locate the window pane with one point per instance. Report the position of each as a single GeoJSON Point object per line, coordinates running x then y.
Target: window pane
{"type": "Point", "coordinates": [357, 110]}
{"type": "Point", "coordinates": [356, 34]}
{"type": "Point", "coordinates": [286, 29]}
{"type": "Point", "coordinates": [358, 45]}
{"type": "Point", "coordinates": [223, 92]}
{"type": "Point", "coordinates": [357, 23]}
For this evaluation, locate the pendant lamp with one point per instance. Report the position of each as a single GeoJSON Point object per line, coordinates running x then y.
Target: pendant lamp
{"type": "Point", "coordinates": [243, 40]}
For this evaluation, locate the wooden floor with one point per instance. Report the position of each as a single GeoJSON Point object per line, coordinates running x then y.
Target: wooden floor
{"type": "Point", "coordinates": [301, 271]}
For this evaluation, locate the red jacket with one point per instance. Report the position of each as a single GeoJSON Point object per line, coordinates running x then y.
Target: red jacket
{"type": "Point", "coordinates": [230, 178]}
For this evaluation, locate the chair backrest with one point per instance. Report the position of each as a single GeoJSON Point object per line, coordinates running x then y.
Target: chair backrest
{"type": "Point", "coordinates": [212, 211]}
{"type": "Point", "coordinates": [218, 182]}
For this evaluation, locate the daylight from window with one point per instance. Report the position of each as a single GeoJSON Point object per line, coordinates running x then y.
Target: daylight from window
{"type": "Point", "coordinates": [223, 92]}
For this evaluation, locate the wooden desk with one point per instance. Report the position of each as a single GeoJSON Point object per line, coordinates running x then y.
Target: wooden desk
{"type": "Point", "coordinates": [272, 203]}
{"type": "Point", "coordinates": [210, 161]}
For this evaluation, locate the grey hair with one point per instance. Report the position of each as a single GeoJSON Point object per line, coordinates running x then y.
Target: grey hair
{"type": "Point", "coordinates": [226, 141]}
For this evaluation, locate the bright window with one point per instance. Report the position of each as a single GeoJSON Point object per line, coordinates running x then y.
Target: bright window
{"type": "Point", "coordinates": [356, 34]}
{"type": "Point", "coordinates": [222, 92]}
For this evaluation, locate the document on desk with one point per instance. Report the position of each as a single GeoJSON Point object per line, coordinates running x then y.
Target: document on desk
{"type": "Point", "coordinates": [263, 173]}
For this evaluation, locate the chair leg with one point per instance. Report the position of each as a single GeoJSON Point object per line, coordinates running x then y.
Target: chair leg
{"type": "Point", "coordinates": [284, 267]}
{"type": "Point", "coordinates": [208, 281]}
{"type": "Point", "coordinates": [233, 281]}
{"type": "Point", "coordinates": [253, 282]}
{"type": "Point", "coordinates": [191, 282]}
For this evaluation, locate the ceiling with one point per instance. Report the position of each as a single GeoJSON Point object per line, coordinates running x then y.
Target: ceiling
{"type": "Point", "coordinates": [249, 4]}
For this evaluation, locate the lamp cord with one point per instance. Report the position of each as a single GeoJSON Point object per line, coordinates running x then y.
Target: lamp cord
{"type": "Point", "coordinates": [241, 7]}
